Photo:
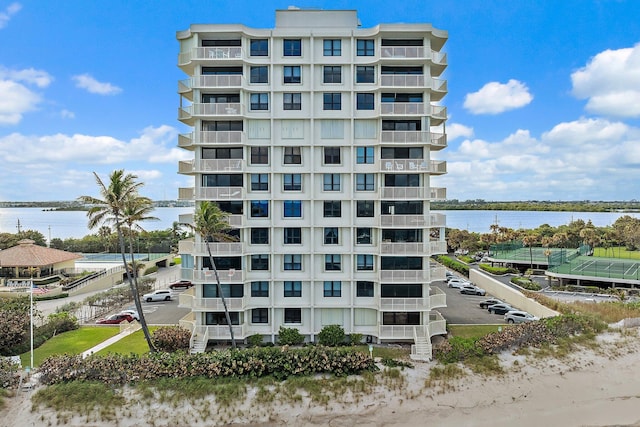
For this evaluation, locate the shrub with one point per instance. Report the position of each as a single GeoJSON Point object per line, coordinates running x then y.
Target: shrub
{"type": "Point", "coordinates": [171, 338]}
{"type": "Point", "coordinates": [255, 340]}
{"type": "Point", "coordinates": [355, 339]}
{"type": "Point", "coordinates": [289, 336]}
{"type": "Point", "coordinates": [498, 271]}
{"type": "Point", "coordinates": [453, 264]}
{"type": "Point", "coordinates": [9, 375]}
{"type": "Point", "coordinates": [151, 269]}
{"type": "Point", "coordinates": [525, 283]}
{"type": "Point", "coordinates": [331, 335]}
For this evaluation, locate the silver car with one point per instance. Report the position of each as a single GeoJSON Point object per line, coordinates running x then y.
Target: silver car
{"type": "Point", "coordinates": [517, 316]}
{"type": "Point", "coordinates": [157, 295]}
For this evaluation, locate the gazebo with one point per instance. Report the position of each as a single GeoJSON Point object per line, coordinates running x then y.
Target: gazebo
{"type": "Point", "coordinates": [27, 260]}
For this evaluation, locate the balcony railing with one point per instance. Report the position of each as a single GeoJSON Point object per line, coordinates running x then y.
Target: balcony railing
{"type": "Point", "coordinates": [217, 53]}
{"type": "Point", "coordinates": [225, 275]}
{"type": "Point", "coordinates": [438, 112]}
{"type": "Point", "coordinates": [216, 109]}
{"type": "Point", "coordinates": [214, 81]}
{"type": "Point", "coordinates": [187, 193]}
{"type": "Point", "coordinates": [402, 80]}
{"type": "Point", "coordinates": [215, 304]}
{"type": "Point", "coordinates": [437, 248]}
{"type": "Point", "coordinates": [221, 332]}
{"type": "Point", "coordinates": [217, 137]}
{"type": "Point", "coordinates": [437, 298]}
{"type": "Point", "coordinates": [437, 324]}
{"type": "Point", "coordinates": [185, 218]}
{"type": "Point", "coordinates": [404, 136]}
{"type": "Point", "coordinates": [403, 275]}
{"type": "Point", "coordinates": [402, 221]}
{"type": "Point", "coordinates": [219, 248]}
{"type": "Point", "coordinates": [402, 193]}
{"type": "Point", "coordinates": [437, 272]}
{"type": "Point", "coordinates": [186, 167]}
{"type": "Point", "coordinates": [185, 140]}
{"type": "Point", "coordinates": [402, 248]}
{"type": "Point", "coordinates": [402, 108]}
{"type": "Point", "coordinates": [438, 141]}
{"type": "Point", "coordinates": [220, 193]}
{"type": "Point", "coordinates": [404, 52]}
{"type": "Point", "coordinates": [437, 220]}
{"type": "Point", "coordinates": [396, 332]}
{"type": "Point", "coordinates": [437, 193]}
{"type": "Point", "coordinates": [435, 167]}
{"type": "Point", "coordinates": [404, 304]}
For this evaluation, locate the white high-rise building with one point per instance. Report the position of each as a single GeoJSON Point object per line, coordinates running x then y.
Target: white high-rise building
{"type": "Point", "coordinates": [316, 137]}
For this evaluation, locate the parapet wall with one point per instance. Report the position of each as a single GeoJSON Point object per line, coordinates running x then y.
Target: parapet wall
{"type": "Point", "coordinates": [509, 295]}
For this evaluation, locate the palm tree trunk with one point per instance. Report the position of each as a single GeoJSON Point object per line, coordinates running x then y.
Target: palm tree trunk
{"type": "Point", "coordinates": [219, 288]}
{"type": "Point", "coordinates": [134, 290]}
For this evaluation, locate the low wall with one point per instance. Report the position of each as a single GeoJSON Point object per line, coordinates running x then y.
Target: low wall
{"type": "Point", "coordinates": [509, 295]}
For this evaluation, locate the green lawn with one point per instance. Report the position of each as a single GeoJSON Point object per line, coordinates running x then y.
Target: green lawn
{"type": "Point", "coordinates": [134, 343]}
{"type": "Point", "coordinates": [72, 342]}
{"type": "Point", "coordinates": [472, 331]}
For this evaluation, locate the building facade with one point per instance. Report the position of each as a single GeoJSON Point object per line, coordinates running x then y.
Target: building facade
{"type": "Point", "coordinates": [316, 137]}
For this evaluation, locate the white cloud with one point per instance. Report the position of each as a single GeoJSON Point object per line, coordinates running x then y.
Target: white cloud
{"type": "Point", "coordinates": [15, 100]}
{"type": "Point", "coordinates": [28, 75]}
{"type": "Point", "coordinates": [86, 81]}
{"type": "Point", "coordinates": [5, 16]}
{"type": "Point", "coordinates": [586, 159]}
{"type": "Point", "coordinates": [457, 130]}
{"type": "Point", "coordinates": [66, 114]}
{"type": "Point", "coordinates": [495, 98]}
{"type": "Point", "coordinates": [611, 83]}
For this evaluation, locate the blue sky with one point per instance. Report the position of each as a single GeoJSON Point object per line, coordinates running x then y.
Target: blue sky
{"type": "Point", "coordinates": [543, 103]}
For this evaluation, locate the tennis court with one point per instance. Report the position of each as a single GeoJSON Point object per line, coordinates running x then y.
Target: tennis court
{"type": "Point", "coordinates": [614, 268]}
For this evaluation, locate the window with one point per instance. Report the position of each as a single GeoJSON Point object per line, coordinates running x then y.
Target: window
{"type": "Point", "coordinates": [363, 236]}
{"type": "Point", "coordinates": [292, 208]}
{"type": "Point", "coordinates": [409, 290]}
{"type": "Point", "coordinates": [292, 181]}
{"type": "Point", "coordinates": [332, 288]}
{"type": "Point", "coordinates": [364, 262]}
{"type": "Point", "coordinates": [365, 74]}
{"type": "Point", "coordinates": [401, 318]}
{"type": "Point", "coordinates": [259, 182]}
{"type": "Point", "coordinates": [220, 98]}
{"type": "Point", "coordinates": [292, 47]}
{"type": "Point", "coordinates": [364, 155]}
{"type": "Point", "coordinates": [364, 208]}
{"type": "Point", "coordinates": [333, 262]}
{"type": "Point", "coordinates": [401, 153]}
{"type": "Point", "coordinates": [401, 263]}
{"type": "Point", "coordinates": [292, 236]}
{"type": "Point", "coordinates": [221, 153]}
{"type": "Point", "coordinates": [332, 74]}
{"type": "Point", "coordinates": [221, 71]}
{"type": "Point", "coordinates": [260, 315]}
{"type": "Point", "coordinates": [259, 155]}
{"type": "Point", "coordinates": [222, 126]}
{"type": "Point", "coordinates": [292, 315]}
{"type": "Point", "coordinates": [332, 209]}
{"type": "Point", "coordinates": [260, 262]}
{"type": "Point", "coordinates": [292, 156]}
{"type": "Point", "coordinates": [260, 289]}
{"type": "Point", "coordinates": [400, 125]}
{"type": "Point", "coordinates": [331, 182]}
{"type": "Point", "coordinates": [291, 74]}
{"type": "Point", "coordinates": [259, 208]}
{"type": "Point", "coordinates": [365, 47]}
{"type": "Point", "coordinates": [259, 47]}
{"type": "Point", "coordinates": [365, 101]}
{"type": "Point", "coordinates": [292, 288]}
{"type": "Point", "coordinates": [331, 155]}
{"type": "Point", "coordinates": [259, 236]}
{"type": "Point", "coordinates": [259, 101]}
{"type": "Point", "coordinates": [210, 290]}
{"type": "Point", "coordinates": [219, 318]}
{"type": "Point", "coordinates": [402, 180]}
{"type": "Point", "coordinates": [259, 74]}
{"type": "Point", "coordinates": [292, 101]}
{"type": "Point", "coordinates": [332, 47]}
{"type": "Point", "coordinates": [292, 261]}
{"type": "Point", "coordinates": [331, 235]}
{"type": "Point", "coordinates": [222, 180]}
{"type": "Point", "coordinates": [364, 289]}
{"type": "Point", "coordinates": [332, 101]}
{"type": "Point", "coordinates": [364, 182]}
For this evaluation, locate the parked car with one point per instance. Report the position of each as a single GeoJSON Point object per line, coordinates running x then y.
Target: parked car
{"type": "Point", "coordinates": [132, 313]}
{"type": "Point", "coordinates": [181, 284]}
{"type": "Point", "coordinates": [158, 295]}
{"type": "Point", "coordinates": [457, 282]}
{"type": "Point", "coordinates": [115, 319]}
{"type": "Point", "coordinates": [472, 290]}
{"type": "Point", "coordinates": [501, 308]}
{"type": "Point", "coordinates": [491, 301]}
{"type": "Point", "coordinates": [516, 316]}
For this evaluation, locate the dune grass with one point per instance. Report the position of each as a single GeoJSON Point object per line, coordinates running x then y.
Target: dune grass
{"type": "Point", "coordinates": [71, 342]}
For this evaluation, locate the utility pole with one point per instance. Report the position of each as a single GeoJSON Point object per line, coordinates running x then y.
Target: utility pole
{"type": "Point", "coordinates": [49, 245]}
{"type": "Point", "coordinates": [18, 226]}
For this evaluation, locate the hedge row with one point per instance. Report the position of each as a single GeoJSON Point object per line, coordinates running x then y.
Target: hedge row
{"type": "Point", "coordinates": [453, 264]}
{"type": "Point", "coordinates": [280, 362]}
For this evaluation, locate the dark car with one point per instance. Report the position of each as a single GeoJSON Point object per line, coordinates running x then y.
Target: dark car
{"type": "Point", "coordinates": [115, 319]}
{"type": "Point", "coordinates": [472, 290]}
{"type": "Point", "coordinates": [500, 308]}
{"type": "Point", "coordinates": [181, 284]}
{"type": "Point", "coordinates": [491, 301]}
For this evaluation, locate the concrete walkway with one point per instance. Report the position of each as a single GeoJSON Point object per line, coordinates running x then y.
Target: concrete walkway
{"type": "Point", "coordinates": [124, 331]}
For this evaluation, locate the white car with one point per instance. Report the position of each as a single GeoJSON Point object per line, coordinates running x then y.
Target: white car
{"type": "Point", "coordinates": [132, 313]}
{"type": "Point", "coordinates": [457, 283]}
{"type": "Point", "coordinates": [517, 316]}
{"type": "Point", "coordinates": [472, 290]}
{"type": "Point", "coordinates": [157, 295]}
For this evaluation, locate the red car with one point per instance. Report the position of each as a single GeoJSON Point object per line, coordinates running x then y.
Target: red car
{"type": "Point", "coordinates": [115, 319]}
{"type": "Point", "coordinates": [182, 284]}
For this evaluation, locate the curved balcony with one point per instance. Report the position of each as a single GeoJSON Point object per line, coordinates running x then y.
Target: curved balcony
{"type": "Point", "coordinates": [437, 193]}
{"type": "Point", "coordinates": [439, 247]}
{"type": "Point", "coordinates": [190, 167]}
{"type": "Point", "coordinates": [209, 53]}
{"type": "Point", "coordinates": [437, 141]}
{"type": "Point", "coordinates": [188, 114]}
{"type": "Point", "coordinates": [438, 89]}
{"type": "Point", "coordinates": [185, 140]}
{"type": "Point", "coordinates": [186, 193]}
{"type": "Point", "coordinates": [437, 298]}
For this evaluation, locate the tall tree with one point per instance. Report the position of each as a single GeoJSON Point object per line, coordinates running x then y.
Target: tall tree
{"type": "Point", "coordinates": [530, 240]}
{"type": "Point", "coordinates": [110, 209]}
{"type": "Point", "coordinates": [211, 223]}
{"type": "Point", "coordinates": [136, 209]}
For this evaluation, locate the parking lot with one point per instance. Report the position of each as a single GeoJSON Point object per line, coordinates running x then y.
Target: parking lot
{"type": "Point", "coordinates": [465, 309]}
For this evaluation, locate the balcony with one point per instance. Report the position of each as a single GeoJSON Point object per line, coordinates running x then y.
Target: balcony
{"type": "Point", "coordinates": [404, 304]}
{"type": "Point", "coordinates": [437, 193]}
{"type": "Point", "coordinates": [437, 272]}
{"type": "Point", "coordinates": [185, 218]}
{"type": "Point", "coordinates": [411, 221]}
{"type": "Point", "coordinates": [221, 332]}
{"type": "Point", "coordinates": [216, 81]}
{"type": "Point", "coordinates": [236, 221]}
{"type": "Point", "coordinates": [219, 193]}
{"type": "Point", "coordinates": [218, 248]}
{"type": "Point", "coordinates": [438, 141]}
{"type": "Point", "coordinates": [220, 137]}
{"type": "Point", "coordinates": [187, 114]}
{"type": "Point", "coordinates": [404, 136]}
{"type": "Point", "coordinates": [404, 52]}
{"type": "Point", "coordinates": [189, 167]}
{"type": "Point", "coordinates": [185, 246]}
{"type": "Point", "coordinates": [437, 220]}
{"type": "Point", "coordinates": [402, 80]}
{"type": "Point", "coordinates": [185, 140]}
{"type": "Point", "coordinates": [438, 89]}
{"type": "Point", "coordinates": [402, 193]}
{"type": "Point", "coordinates": [226, 276]}
{"type": "Point", "coordinates": [396, 332]}
{"type": "Point", "coordinates": [402, 248]}
{"type": "Point", "coordinates": [437, 324]}
{"type": "Point", "coordinates": [437, 298]}
{"type": "Point", "coordinates": [402, 276]}
{"type": "Point", "coordinates": [437, 248]}
{"type": "Point", "coordinates": [434, 167]}
{"type": "Point", "coordinates": [403, 108]}
{"type": "Point", "coordinates": [187, 193]}
{"type": "Point", "coordinates": [206, 53]}
{"type": "Point", "coordinates": [209, 304]}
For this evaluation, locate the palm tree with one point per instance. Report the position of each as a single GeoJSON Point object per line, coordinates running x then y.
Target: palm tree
{"type": "Point", "coordinates": [110, 209]}
{"type": "Point", "coordinates": [529, 240]}
{"type": "Point", "coordinates": [211, 223]}
{"type": "Point", "coordinates": [136, 209]}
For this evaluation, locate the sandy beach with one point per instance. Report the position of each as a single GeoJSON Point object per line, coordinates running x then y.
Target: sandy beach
{"type": "Point", "coordinates": [595, 386]}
